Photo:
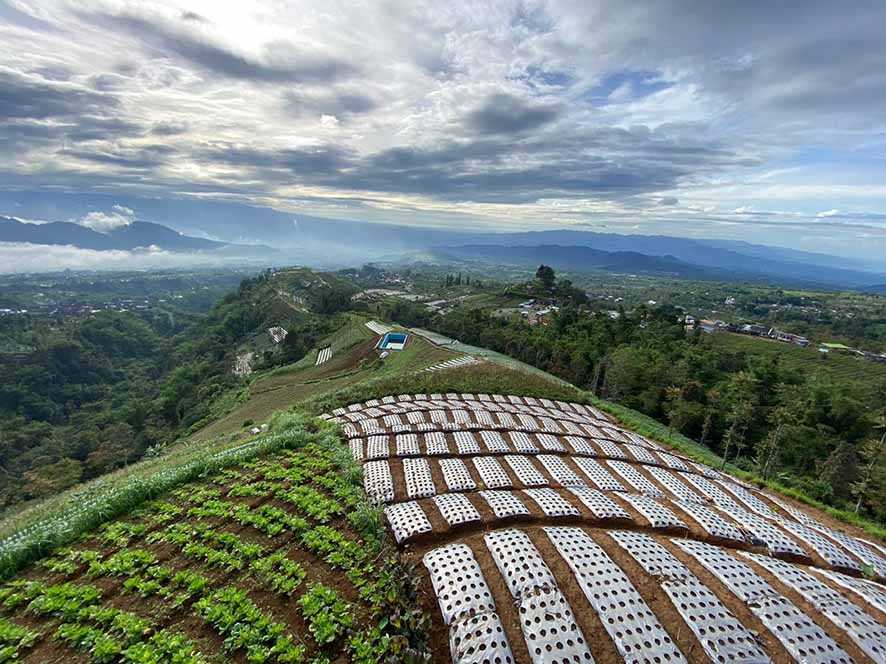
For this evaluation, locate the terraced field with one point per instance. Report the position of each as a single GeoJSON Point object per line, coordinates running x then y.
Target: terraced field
{"type": "Point", "coordinates": [463, 528]}
{"type": "Point", "coordinates": [548, 533]}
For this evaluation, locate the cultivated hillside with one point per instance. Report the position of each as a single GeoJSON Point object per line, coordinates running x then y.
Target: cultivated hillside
{"type": "Point", "coordinates": [439, 511]}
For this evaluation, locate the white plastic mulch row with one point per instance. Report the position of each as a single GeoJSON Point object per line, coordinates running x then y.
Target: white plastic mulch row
{"type": "Point", "coordinates": [461, 361]}
{"type": "Point", "coordinates": [324, 355]}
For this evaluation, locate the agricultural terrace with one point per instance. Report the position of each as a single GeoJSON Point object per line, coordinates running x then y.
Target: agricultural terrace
{"type": "Point", "coordinates": [549, 533]}
{"type": "Point", "coordinates": [280, 559]}
{"type": "Point", "coordinates": [452, 527]}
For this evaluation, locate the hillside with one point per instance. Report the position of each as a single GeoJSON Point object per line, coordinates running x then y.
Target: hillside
{"type": "Point", "coordinates": [275, 552]}
{"type": "Point", "coordinates": [427, 506]}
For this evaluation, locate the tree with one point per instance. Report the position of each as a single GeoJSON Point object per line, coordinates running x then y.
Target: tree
{"type": "Point", "coordinates": [741, 397]}
{"type": "Point", "coordinates": [840, 469]}
{"type": "Point", "coordinates": [873, 475]}
{"type": "Point", "coordinates": [546, 276]}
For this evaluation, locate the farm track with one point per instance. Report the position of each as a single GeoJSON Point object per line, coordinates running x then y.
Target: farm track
{"type": "Point", "coordinates": [549, 533]}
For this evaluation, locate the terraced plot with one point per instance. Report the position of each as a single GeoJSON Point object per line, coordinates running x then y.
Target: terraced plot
{"type": "Point", "coordinates": [549, 533]}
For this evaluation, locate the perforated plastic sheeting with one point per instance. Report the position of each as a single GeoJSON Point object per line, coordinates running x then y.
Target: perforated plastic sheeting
{"type": "Point", "coordinates": [805, 640]}
{"type": "Point", "coordinates": [657, 514]}
{"type": "Point", "coordinates": [466, 443]}
{"type": "Point", "coordinates": [378, 482]}
{"type": "Point", "coordinates": [546, 619]}
{"type": "Point", "coordinates": [867, 633]}
{"type": "Point", "coordinates": [456, 508]}
{"type": "Point", "coordinates": [597, 474]}
{"type": "Point", "coordinates": [550, 442]}
{"type": "Point", "coordinates": [476, 634]}
{"type": "Point", "coordinates": [550, 502]}
{"type": "Point", "coordinates": [504, 504]}
{"type": "Point", "coordinates": [864, 552]}
{"type": "Point", "coordinates": [526, 473]}
{"type": "Point", "coordinates": [581, 445]}
{"type": "Point", "coordinates": [407, 520]}
{"type": "Point", "coordinates": [672, 461]}
{"type": "Point", "coordinates": [600, 505]}
{"type": "Point", "coordinates": [519, 562]}
{"type": "Point", "coordinates": [458, 582]}
{"type": "Point", "coordinates": [641, 454]}
{"type": "Point", "coordinates": [610, 449]}
{"type": "Point", "coordinates": [558, 469]}
{"type": "Point", "coordinates": [673, 484]}
{"type": "Point", "coordinates": [722, 636]}
{"type": "Point", "coordinates": [479, 639]}
{"type": "Point", "coordinates": [709, 490]}
{"type": "Point", "coordinates": [551, 633]}
{"type": "Point", "coordinates": [711, 522]}
{"type": "Point", "coordinates": [435, 443]}
{"type": "Point", "coordinates": [627, 618]}
{"type": "Point", "coordinates": [419, 483]}
{"type": "Point", "coordinates": [634, 478]}
{"type": "Point", "coordinates": [494, 441]}
{"type": "Point", "coordinates": [748, 499]}
{"type": "Point", "coordinates": [491, 473]}
{"type": "Point", "coordinates": [407, 444]}
{"type": "Point", "coordinates": [377, 447]}
{"type": "Point", "coordinates": [356, 446]}
{"type": "Point", "coordinates": [833, 554]}
{"type": "Point", "coordinates": [456, 475]}
{"type": "Point", "coordinates": [765, 532]}
{"type": "Point", "coordinates": [873, 593]}
{"type": "Point", "coordinates": [522, 442]}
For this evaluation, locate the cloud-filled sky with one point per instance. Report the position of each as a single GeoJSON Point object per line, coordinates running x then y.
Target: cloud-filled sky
{"type": "Point", "coordinates": [763, 122]}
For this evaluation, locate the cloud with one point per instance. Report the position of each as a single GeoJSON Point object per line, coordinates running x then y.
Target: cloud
{"type": "Point", "coordinates": [23, 96]}
{"type": "Point", "coordinates": [283, 61]}
{"type": "Point", "coordinates": [505, 114]}
{"type": "Point", "coordinates": [107, 221]}
{"type": "Point", "coordinates": [17, 257]}
{"type": "Point", "coordinates": [508, 114]}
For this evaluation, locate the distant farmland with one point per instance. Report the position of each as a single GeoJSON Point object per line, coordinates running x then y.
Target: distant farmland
{"type": "Point", "coordinates": [840, 367]}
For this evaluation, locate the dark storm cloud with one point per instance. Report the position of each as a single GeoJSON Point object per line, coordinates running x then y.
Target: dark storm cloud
{"type": "Point", "coordinates": [285, 64]}
{"type": "Point", "coordinates": [26, 97]}
{"type": "Point", "coordinates": [507, 114]}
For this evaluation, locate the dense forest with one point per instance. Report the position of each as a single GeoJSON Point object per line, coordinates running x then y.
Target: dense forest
{"type": "Point", "coordinates": [100, 391]}
{"type": "Point", "coordinates": [820, 436]}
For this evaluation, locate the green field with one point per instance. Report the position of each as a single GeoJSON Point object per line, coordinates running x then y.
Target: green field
{"type": "Point", "coordinates": [840, 367]}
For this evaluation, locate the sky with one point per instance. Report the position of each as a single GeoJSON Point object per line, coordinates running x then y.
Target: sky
{"type": "Point", "coordinates": [756, 121]}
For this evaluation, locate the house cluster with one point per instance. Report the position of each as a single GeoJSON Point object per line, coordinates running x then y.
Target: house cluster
{"type": "Point", "coordinates": [751, 329]}
{"type": "Point", "coordinates": [536, 312]}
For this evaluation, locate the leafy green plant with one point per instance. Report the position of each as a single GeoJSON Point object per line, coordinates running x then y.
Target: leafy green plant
{"type": "Point", "coordinates": [14, 639]}
{"type": "Point", "coordinates": [244, 626]}
{"type": "Point", "coordinates": [328, 616]}
{"type": "Point", "coordinates": [278, 573]}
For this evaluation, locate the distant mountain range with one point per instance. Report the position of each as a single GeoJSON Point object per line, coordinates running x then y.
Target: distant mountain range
{"type": "Point", "coordinates": [577, 259]}
{"type": "Point", "coordinates": [137, 235]}
{"type": "Point", "coordinates": [331, 243]}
